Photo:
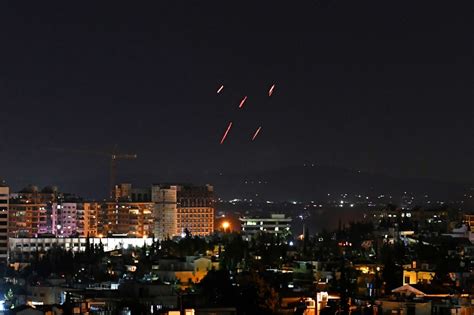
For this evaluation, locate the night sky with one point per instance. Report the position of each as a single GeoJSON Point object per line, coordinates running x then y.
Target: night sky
{"type": "Point", "coordinates": [383, 86]}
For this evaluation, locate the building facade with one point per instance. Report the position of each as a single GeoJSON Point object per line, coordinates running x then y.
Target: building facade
{"type": "Point", "coordinates": [181, 208]}
{"type": "Point", "coordinates": [276, 224]}
{"type": "Point", "coordinates": [22, 247]}
{"type": "Point", "coordinates": [4, 201]}
{"type": "Point", "coordinates": [134, 219]}
{"type": "Point", "coordinates": [87, 219]}
{"type": "Point", "coordinates": [74, 217]}
{"type": "Point", "coordinates": [26, 217]}
{"type": "Point", "coordinates": [30, 211]}
{"type": "Point", "coordinates": [64, 219]}
{"type": "Point", "coordinates": [195, 210]}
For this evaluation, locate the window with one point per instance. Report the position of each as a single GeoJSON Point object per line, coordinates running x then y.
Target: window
{"type": "Point", "coordinates": [407, 280]}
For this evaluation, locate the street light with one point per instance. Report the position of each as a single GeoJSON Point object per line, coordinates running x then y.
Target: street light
{"type": "Point", "coordinates": [225, 225]}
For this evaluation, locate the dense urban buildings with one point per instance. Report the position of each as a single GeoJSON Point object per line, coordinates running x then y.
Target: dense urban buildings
{"type": "Point", "coordinates": [157, 248]}
{"type": "Point", "coordinates": [171, 211]}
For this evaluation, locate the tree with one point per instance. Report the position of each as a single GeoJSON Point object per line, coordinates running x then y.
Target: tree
{"type": "Point", "coordinates": [257, 296]}
{"type": "Point", "coordinates": [216, 288]}
{"type": "Point", "coordinates": [235, 250]}
{"type": "Point", "coordinates": [392, 274]}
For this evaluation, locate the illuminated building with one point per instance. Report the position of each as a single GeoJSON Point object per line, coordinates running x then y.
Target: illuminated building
{"type": "Point", "coordinates": [26, 217]}
{"type": "Point", "coordinates": [195, 210]}
{"type": "Point", "coordinates": [87, 219]}
{"type": "Point", "coordinates": [276, 224]}
{"type": "Point", "coordinates": [469, 220]}
{"type": "Point", "coordinates": [23, 246]}
{"type": "Point", "coordinates": [64, 220]}
{"type": "Point", "coordinates": [178, 208]}
{"type": "Point", "coordinates": [126, 218]}
{"type": "Point", "coordinates": [4, 200]}
{"type": "Point", "coordinates": [186, 271]}
{"type": "Point", "coordinates": [31, 212]}
{"type": "Point", "coordinates": [414, 275]}
{"type": "Point", "coordinates": [74, 218]}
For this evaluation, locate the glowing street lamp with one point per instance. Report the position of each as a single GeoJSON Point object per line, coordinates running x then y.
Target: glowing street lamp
{"type": "Point", "coordinates": [225, 225]}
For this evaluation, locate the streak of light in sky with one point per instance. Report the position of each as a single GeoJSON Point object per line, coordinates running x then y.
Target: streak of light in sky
{"type": "Point", "coordinates": [256, 133]}
{"type": "Point", "coordinates": [242, 102]}
{"type": "Point", "coordinates": [226, 132]}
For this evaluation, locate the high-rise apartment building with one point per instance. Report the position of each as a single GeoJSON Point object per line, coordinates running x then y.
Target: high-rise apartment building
{"type": "Point", "coordinates": [195, 210]}
{"type": "Point", "coordinates": [4, 201]}
{"type": "Point", "coordinates": [178, 208]}
{"type": "Point", "coordinates": [65, 218]}
{"type": "Point", "coordinates": [26, 217]}
{"type": "Point", "coordinates": [87, 219]}
{"type": "Point", "coordinates": [74, 217]}
{"type": "Point", "coordinates": [30, 213]}
{"type": "Point", "coordinates": [130, 218]}
{"type": "Point", "coordinates": [165, 213]}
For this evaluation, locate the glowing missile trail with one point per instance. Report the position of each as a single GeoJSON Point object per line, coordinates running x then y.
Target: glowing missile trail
{"type": "Point", "coordinates": [242, 102]}
{"type": "Point", "coordinates": [220, 89]}
{"type": "Point", "coordinates": [226, 132]}
{"type": "Point", "coordinates": [256, 133]}
{"type": "Point", "coordinates": [270, 92]}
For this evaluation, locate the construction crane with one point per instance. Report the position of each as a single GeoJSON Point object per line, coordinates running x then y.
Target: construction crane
{"type": "Point", "coordinates": [114, 156]}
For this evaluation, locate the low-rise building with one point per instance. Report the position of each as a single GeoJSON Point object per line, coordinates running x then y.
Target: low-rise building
{"type": "Point", "coordinates": [22, 247]}
{"type": "Point", "coordinates": [412, 274]}
{"type": "Point", "coordinates": [186, 270]}
{"type": "Point", "coordinates": [277, 224]}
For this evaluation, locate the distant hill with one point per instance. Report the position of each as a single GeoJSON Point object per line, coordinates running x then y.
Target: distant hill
{"type": "Point", "coordinates": [316, 182]}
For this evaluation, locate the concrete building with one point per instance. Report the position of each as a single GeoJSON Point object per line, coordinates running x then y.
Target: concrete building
{"type": "Point", "coordinates": [165, 214]}
{"type": "Point", "coordinates": [125, 192]}
{"type": "Point", "coordinates": [178, 208]}
{"type": "Point", "coordinates": [4, 201]}
{"type": "Point", "coordinates": [73, 217]}
{"type": "Point", "coordinates": [64, 219]}
{"type": "Point", "coordinates": [195, 210]}
{"type": "Point", "coordinates": [413, 274]}
{"type": "Point", "coordinates": [21, 247]}
{"type": "Point", "coordinates": [186, 270]}
{"type": "Point", "coordinates": [26, 217]}
{"type": "Point", "coordinates": [122, 192]}
{"type": "Point", "coordinates": [134, 219]}
{"type": "Point", "coordinates": [87, 219]}
{"type": "Point", "coordinates": [30, 211]}
{"type": "Point", "coordinates": [276, 224]}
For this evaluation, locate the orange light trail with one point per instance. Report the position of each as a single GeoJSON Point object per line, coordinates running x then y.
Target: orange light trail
{"type": "Point", "coordinates": [242, 102]}
{"type": "Point", "coordinates": [220, 89]}
{"type": "Point", "coordinates": [256, 133]}
{"type": "Point", "coordinates": [226, 132]}
{"type": "Point", "coordinates": [270, 92]}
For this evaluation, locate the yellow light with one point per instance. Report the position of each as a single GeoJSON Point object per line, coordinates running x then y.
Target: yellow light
{"type": "Point", "coordinates": [225, 225]}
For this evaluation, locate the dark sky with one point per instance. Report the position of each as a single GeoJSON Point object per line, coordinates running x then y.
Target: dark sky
{"type": "Point", "coordinates": [384, 86]}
